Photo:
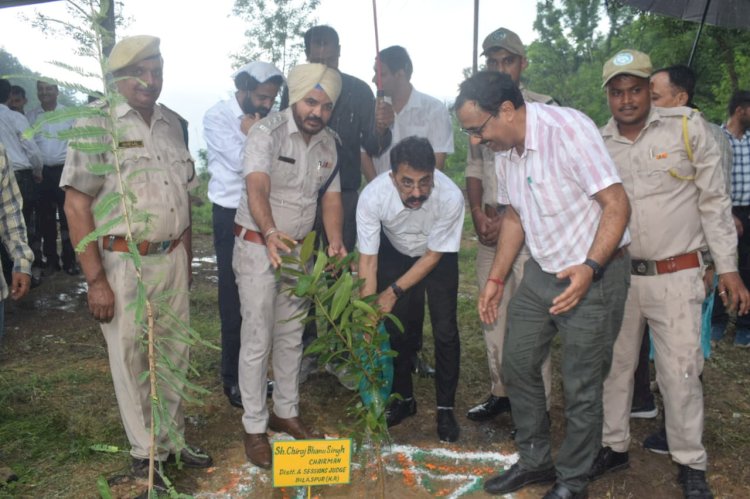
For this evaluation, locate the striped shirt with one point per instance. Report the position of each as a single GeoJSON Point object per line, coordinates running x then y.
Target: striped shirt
{"type": "Point", "coordinates": [12, 226]}
{"type": "Point", "coordinates": [552, 184]}
{"type": "Point", "coordinates": [740, 167]}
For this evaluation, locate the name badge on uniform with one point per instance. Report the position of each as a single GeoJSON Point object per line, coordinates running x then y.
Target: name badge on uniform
{"type": "Point", "coordinates": [291, 161]}
{"type": "Point", "coordinates": [129, 144]}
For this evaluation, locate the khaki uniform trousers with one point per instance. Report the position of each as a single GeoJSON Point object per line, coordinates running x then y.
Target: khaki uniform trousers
{"type": "Point", "coordinates": [265, 306]}
{"type": "Point", "coordinates": [671, 306]}
{"type": "Point", "coordinates": [494, 334]}
{"type": "Point", "coordinates": [128, 357]}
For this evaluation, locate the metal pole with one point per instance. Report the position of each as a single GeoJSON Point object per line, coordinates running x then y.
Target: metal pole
{"type": "Point", "coordinates": [474, 65]}
{"type": "Point", "coordinates": [378, 77]}
{"type": "Point", "coordinates": [698, 35]}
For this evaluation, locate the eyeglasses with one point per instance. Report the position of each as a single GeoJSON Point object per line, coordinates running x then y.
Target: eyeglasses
{"type": "Point", "coordinates": [477, 131]}
{"type": "Point", "coordinates": [422, 184]}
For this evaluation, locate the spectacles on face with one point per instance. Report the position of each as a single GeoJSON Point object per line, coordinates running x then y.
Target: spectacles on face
{"type": "Point", "coordinates": [423, 184]}
{"type": "Point", "coordinates": [477, 131]}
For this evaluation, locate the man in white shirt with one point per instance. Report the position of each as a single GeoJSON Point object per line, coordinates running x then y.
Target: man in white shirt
{"type": "Point", "coordinates": [25, 161]}
{"type": "Point", "coordinates": [51, 196]}
{"type": "Point", "coordinates": [416, 114]}
{"type": "Point", "coordinates": [409, 224]}
{"type": "Point", "coordinates": [225, 128]}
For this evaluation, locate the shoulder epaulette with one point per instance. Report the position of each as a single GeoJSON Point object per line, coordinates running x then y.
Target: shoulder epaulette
{"type": "Point", "coordinates": [272, 122]}
{"type": "Point", "coordinates": [530, 96]}
{"type": "Point", "coordinates": [335, 136]}
{"type": "Point", "coordinates": [677, 112]}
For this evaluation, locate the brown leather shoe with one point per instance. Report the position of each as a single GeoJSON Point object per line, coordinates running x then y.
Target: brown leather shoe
{"type": "Point", "coordinates": [258, 450]}
{"type": "Point", "coordinates": [291, 426]}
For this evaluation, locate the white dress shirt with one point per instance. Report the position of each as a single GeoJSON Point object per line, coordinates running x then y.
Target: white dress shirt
{"type": "Point", "coordinates": [225, 142]}
{"type": "Point", "coordinates": [435, 226]}
{"type": "Point", "coordinates": [53, 150]}
{"type": "Point", "coordinates": [423, 116]}
{"type": "Point", "coordinates": [23, 154]}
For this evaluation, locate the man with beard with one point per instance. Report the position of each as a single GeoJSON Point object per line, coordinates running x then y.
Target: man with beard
{"type": "Point", "coordinates": [287, 158]}
{"type": "Point", "coordinates": [154, 159]}
{"type": "Point", "coordinates": [680, 209]}
{"type": "Point", "coordinates": [566, 201]}
{"type": "Point", "coordinates": [409, 224]}
{"type": "Point", "coordinates": [225, 128]}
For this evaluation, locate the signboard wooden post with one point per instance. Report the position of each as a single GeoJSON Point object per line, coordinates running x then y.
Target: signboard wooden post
{"type": "Point", "coordinates": [307, 463]}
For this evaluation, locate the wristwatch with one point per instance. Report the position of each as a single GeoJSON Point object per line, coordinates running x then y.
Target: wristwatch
{"type": "Point", "coordinates": [397, 290]}
{"type": "Point", "coordinates": [598, 269]}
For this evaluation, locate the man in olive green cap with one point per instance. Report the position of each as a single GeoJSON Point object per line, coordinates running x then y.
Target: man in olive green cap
{"type": "Point", "coordinates": [150, 142]}
{"type": "Point", "coordinates": [670, 167]}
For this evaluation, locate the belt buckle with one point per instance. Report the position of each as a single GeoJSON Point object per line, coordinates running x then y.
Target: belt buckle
{"type": "Point", "coordinates": [642, 268]}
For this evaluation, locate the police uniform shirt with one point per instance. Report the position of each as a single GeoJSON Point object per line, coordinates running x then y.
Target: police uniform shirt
{"type": "Point", "coordinates": [435, 226]}
{"type": "Point", "coordinates": [678, 206]}
{"type": "Point", "coordinates": [156, 166]}
{"type": "Point", "coordinates": [297, 171]}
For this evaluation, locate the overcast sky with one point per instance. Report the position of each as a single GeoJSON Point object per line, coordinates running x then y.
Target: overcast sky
{"type": "Point", "coordinates": [197, 39]}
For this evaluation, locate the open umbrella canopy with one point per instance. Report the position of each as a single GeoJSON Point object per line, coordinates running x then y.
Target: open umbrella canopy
{"type": "Point", "coordinates": [733, 14]}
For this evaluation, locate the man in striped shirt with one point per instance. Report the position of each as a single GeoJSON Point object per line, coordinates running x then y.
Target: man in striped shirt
{"type": "Point", "coordinates": [566, 200]}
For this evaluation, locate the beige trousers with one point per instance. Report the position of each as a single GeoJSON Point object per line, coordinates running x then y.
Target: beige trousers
{"type": "Point", "coordinates": [494, 334]}
{"type": "Point", "coordinates": [265, 306]}
{"type": "Point", "coordinates": [165, 275]}
{"type": "Point", "coordinates": [671, 306]}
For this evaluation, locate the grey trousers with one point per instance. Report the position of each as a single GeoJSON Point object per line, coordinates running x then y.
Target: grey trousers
{"type": "Point", "coordinates": [588, 333]}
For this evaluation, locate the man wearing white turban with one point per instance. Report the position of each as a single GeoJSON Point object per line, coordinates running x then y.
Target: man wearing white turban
{"type": "Point", "coordinates": [289, 158]}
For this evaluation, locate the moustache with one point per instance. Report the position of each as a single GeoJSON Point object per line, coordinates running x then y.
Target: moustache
{"type": "Point", "coordinates": [314, 119]}
{"type": "Point", "coordinates": [416, 199]}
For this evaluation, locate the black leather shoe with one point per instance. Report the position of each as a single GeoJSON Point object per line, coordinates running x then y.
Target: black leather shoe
{"type": "Point", "coordinates": [489, 408]}
{"type": "Point", "coordinates": [608, 461]}
{"type": "Point", "coordinates": [400, 410]}
{"type": "Point", "coordinates": [192, 456]}
{"type": "Point", "coordinates": [233, 394]}
{"type": "Point", "coordinates": [447, 427]}
{"type": "Point", "coordinates": [139, 470]}
{"type": "Point", "coordinates": [560, 491]}
{"type": "Point", "coordinates": [693, 483]}
{"type": "Point", "coordinates": [515, 478]}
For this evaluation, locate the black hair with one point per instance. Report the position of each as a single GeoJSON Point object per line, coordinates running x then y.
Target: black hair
{"type": "Point", "coordinates": [489, 89]}
{"type": "Point", "coordinates": [316, 34]}
{"type": "Point", "coordinates": [243, 81]}
{"type": "Point", "coordinates": [397, 58]}
{"type": "Point", "coordinates": [741, 98]}
{"type": "Point", "coordinates": [682, 77]}
{"type": "Point", "coordinates": [18, 90]}
{"type": "Point", "coordinates": [415, 152]}
{"type": "Point", "coordinates": [4, 90]}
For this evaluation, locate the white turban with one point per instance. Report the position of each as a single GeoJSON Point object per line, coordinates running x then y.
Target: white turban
{"type": "Point", "coordinates": [305, 77]}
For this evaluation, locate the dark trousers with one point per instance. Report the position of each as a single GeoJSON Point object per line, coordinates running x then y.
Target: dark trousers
{"type": "Point", "coordinates": [229, 297]}
{"type": "Point", "coordinates": [51, 207]}
{"type": "Point", "coordinates": [441, 286]}
{"type": "Point", "coordinates": [642, 377]}
{"type": "Point", "coordinates": [720, 315]}
{"type": "Point", "coordinates": [588, 334]}
{"type": "Point", "coordinates": [30, 193]}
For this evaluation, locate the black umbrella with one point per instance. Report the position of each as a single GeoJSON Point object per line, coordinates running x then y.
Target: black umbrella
{"type": "Point", "coordinates": [734, 14]}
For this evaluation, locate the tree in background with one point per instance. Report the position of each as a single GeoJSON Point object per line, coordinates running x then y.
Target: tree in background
{"type": "Point", "coordinates": [275, 31]}
{"type": "Point", "coordinates": [566, 60]}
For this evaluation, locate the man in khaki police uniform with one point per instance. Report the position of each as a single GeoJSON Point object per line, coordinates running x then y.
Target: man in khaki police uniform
{"type": "Point", "coordinates": [680, 208]}
{"type": "Point", "coordinates": [150, 142]}
{"type": "Point", "coordinates": [504, 53]}
{"type": "Point", "coordinates": [289, 157]}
